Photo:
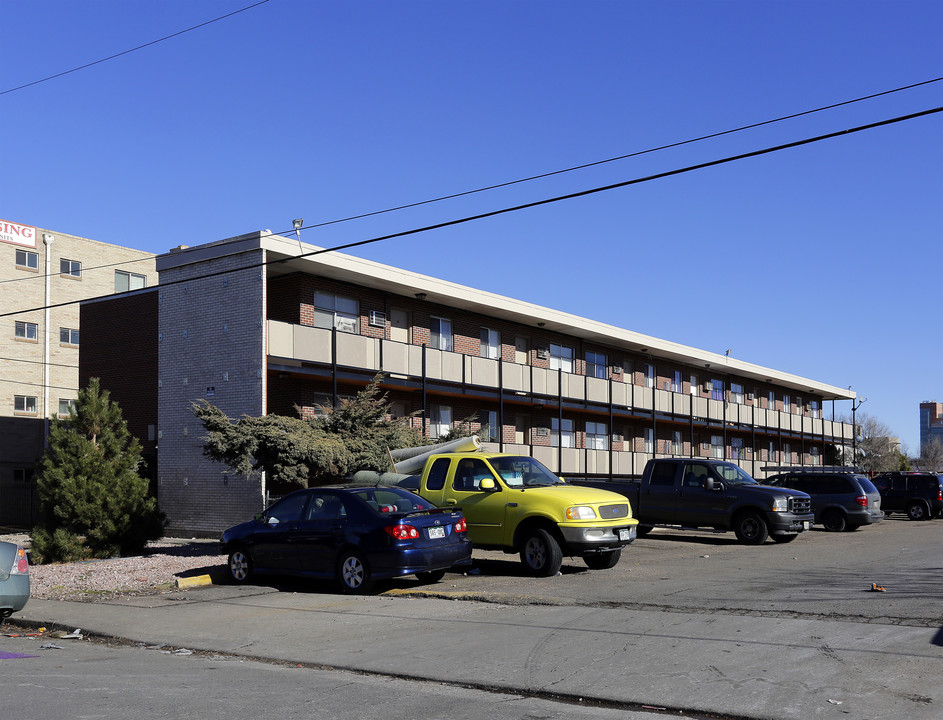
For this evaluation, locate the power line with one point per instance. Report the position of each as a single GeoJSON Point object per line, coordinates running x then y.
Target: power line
{"type": "Point", "coordinates": [134, 49]}
{"type": "Point", "coordinates": [37, 362]}
{"type": "Point", "coordinates": [624, 157]}
{"type": "Point", "coordinates": [525, 206]}
{"type": "Point", "coordinates": [553, 172]}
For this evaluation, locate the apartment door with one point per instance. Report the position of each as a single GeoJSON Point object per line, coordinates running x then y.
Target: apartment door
{"type": "Point", "coordinates": [521, 348]}
{"type": "Point", "coordinates": [399, 325]}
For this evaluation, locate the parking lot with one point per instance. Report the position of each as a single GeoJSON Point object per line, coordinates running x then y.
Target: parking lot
{"type": "Point", "coordinates": [689, 621]}
{"type": "Point", "coordinates": [820, 575]}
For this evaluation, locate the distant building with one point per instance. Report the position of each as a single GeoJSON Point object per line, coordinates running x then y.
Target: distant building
{"type": "Point", "coordinates": [931, 423]}
{"type": "Point", "coordinates": [261, 324]}
{"type": "Point", "coordinates": [42, 275]}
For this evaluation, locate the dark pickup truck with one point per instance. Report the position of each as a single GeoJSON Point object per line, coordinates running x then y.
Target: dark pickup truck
{"type": "Point", "coordinates": [701, 493]}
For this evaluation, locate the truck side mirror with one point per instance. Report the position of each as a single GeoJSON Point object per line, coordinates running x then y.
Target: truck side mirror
{"type": "Point", "coordinates": [709, 484]}
{"type": "Point", "coordinates": [486, 484]}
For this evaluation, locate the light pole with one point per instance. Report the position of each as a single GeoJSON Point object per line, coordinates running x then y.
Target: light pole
{"type": "Point", "coordinates": [854, 429]}
{"type": "Point", "coordinates": [297, 223]}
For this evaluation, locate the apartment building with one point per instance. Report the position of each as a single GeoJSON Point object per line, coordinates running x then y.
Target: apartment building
{"type": "Point", "coordinates": [262, 324]}
{"type": "Point", "coordinates": [43, 276]}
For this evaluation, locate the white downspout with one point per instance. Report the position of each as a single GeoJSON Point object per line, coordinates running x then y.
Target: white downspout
{"type": "Point", "coordinates": [47, 241]}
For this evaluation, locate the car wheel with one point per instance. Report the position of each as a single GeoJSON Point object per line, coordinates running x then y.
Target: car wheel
{"type": "Point", "coordinates": [643, 530]}
{"type": "Point", "coordinates": [751, 529]}
{"type": "Point", "coordinates": [834, 521]}
{"type": "Point", "coordinates": [851, 528]}
{"type": "Point", "coordinates": [240, 566]}
{"type": "Point", "coordinates": [541, 554]}
{"type": "Point", "coordinates": [430, 577]}
{"type": "Point", "coordinates": [602, 560]}
{"type": "Point", "coordinates": [918, 511]}
{"type": "Point", "coordinates": [785, 538]}
{"type": "Point", "coordinates": [353, 575]}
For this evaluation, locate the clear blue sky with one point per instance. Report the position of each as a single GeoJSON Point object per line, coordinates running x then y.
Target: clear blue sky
{"type": "Point", "coordinates": [824, 261]}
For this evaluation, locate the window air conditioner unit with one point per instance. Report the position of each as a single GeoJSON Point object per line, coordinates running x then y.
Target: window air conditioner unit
{"type": "Point", "coordinates": [751, 396]}
{"type": "Point", "coordinates": [377, 318]}
{"type": "Point", "coordinates": [616, 369]}
{"type": "Point", "coordinates": [543, 353]}
{"type": "Point", "coordinates": [543, 432]}
{"type": "Point", "coordinates": [708, 386]}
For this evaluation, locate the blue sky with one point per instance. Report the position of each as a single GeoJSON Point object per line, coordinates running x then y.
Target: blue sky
{"type": "Point", "coordinates": [824, 260]}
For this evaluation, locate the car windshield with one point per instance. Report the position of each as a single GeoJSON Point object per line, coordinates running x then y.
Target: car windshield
{"type": "Point", "coordinates": [733, 474]}
{"type": "Point", "coordinates": [520, 471]}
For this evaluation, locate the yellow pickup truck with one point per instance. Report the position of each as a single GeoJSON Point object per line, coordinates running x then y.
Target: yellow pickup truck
{"type": "Point", "coordinates": [515, 504]}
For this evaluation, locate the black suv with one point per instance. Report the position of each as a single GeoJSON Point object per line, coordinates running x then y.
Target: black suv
{"type": "Point", "coordinates": [919, 495]}
{"type": "Point", "coordinates": [842, 497]}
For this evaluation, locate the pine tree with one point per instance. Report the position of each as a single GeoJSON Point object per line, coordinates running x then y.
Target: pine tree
{"type": "Point", "coordinates": [94, 502]}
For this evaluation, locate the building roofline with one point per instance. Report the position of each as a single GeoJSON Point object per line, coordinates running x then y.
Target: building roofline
{"type": "Point", "coordinates": [287, 255]}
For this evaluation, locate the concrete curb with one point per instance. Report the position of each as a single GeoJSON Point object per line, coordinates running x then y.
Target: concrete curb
{"type": "Point", "coordinates": [186, 583]}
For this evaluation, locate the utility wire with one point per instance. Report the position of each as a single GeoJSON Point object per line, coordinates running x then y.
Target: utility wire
{"type": "Point", "coordinates": [549, 174]}
{"type": "Point", "coordinates": [622, 157]}
{"type": "Point", "coordinates": [134, 49]}
{"type": "Point", "coordinates": [517, 208]}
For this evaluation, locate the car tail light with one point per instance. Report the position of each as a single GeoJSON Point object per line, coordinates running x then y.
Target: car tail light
{"type": "Point", "coordinates": [21, 564]}
{"type": "Point", "coordinates": [461, 526]}
{"type": "Point", "coordinates": [402, 532]}
{"type": "Point", "coordinates": [862, 500]}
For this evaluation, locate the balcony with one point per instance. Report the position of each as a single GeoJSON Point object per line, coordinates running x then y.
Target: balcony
{"type": "Point", "coordinates": [301, 343]}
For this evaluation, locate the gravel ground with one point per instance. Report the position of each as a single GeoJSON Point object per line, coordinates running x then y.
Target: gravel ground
{"type": "Point", "coordinates": [155, 571]}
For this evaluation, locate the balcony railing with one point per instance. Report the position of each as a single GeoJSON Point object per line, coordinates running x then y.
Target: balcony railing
{"type": "Point", "coordinates": [308, 344]}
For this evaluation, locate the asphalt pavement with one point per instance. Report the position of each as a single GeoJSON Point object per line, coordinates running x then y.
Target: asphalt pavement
{"type": "Point", "coordinates": [698, 664]}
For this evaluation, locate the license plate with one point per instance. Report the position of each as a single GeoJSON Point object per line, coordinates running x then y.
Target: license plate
{"type": "Point", "coordinates": [806, 525]}
{"type": "Point", "coordinates": [436, 532]}
{"type": "Point", "coordinates": [624, 534]}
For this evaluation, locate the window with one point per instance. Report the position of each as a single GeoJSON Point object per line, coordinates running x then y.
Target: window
{"type": "Point", "coordinates": [437, 474]}
{"type": "Point", "coordinates": [22, 475]}
{"type": "Point", "coordinates": [561, 358]}
{"type": "Point", "coordinates": [787, 454]}
{"type": "Point", "coordinates": [27, 259]}
{"type": "Point", "coordinates": [72, 268]}
{"type": "Point", "coordinates": [736, 393]}
{"type": "Point", "coordinates": [489, 425]}
{"type": "Point", "coordinates": [798, 405]}
{"type": "Point", "coordinates": [771, 400]}
{"type": "Point", "coordinates": [125, 281]}
{"type": "Point", "coordinates": [596, 365]}
{"type": "Point", "coordinates": [717, 389]}
{"type": "Point", "coordinates": [814, 410]}
{"type": "Point", "coordinates": [561, 433]}
{"type": "Point", "coordinates": [814, 456]}
{"type": "Point", "coordinates": [694, 389]}
{"type": "Point", "coordinates": [440, 420]}
{"type": "Point", "coordinates": [676, 382]}
{"type": "Point", "coordinates": [68, 336]}
{"type": "Point", "coordinates": [649, 440]}
{"type": "Point", "coordinates": [24, 404]}
{"type": "Point", "coordinates": [787, 404]}
{"type": "Point", "coordinates": [677, 444]}
{"type": "Point", "coordinates": [440, 332]}
{"type": "Point", "coordinates": [490, 343]}
{"type": "Point", "coordinates": [771, 451]}
{"type": "Point", "coordinates": [26, 330]}
{"type": "Point", "coordinates": [597, 436]}
{"type": "Point", "coordinates": [65, 407]}
{"type": "Point", "coordinates": [649, 375]}
{"type": "Point", "coordinates": [663, 474]}
{"type": "Point", "coordinates": [736, 449]}
{"type": "Point", "coordinates": [717, 446]}
{"type": "Point", "coordinates": [336, 311]}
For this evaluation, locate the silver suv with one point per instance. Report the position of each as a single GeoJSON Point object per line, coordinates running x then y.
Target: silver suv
{"type": "Point", "coordinates": [842, 498]}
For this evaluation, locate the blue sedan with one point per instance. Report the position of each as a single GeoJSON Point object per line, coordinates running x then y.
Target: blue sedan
{"type": "Point", "coordinates": [353, 534]}
{"type": "Point", "coordinates": [14, 579]}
